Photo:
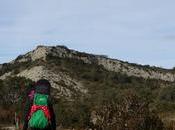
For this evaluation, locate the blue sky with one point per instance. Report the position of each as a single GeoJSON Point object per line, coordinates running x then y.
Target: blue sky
{"type": "Point", "coordinates": [138, 31]}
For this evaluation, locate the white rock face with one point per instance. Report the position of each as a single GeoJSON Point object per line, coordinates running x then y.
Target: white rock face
{"type": "Point", "coordinates": [39, 72]}
{"type": "Point", "coordinates": [117, 66]}
{"type": "Point", "coordinates": [40, 53]}
{"type": "Point", "coordinates": [4, 76]}
{"type": "Point", "coordinates": [34, 73]}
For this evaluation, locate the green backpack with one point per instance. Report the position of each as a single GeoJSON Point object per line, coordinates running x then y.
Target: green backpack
{"type": "Point", "coordinates": [38, 118]}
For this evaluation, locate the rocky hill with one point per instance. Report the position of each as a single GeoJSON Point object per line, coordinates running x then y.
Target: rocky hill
{"type": "Point", "coordinates": [41, 52]}
{"type": "Point", "coordinates": [85, 84]}
{"type": "Point", "coordinates": [110, 64]}
{"type": "Point", "coordinates": [37, 68]}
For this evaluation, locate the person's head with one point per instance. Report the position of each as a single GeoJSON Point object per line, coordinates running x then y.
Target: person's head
{"type": "Point", "coordinates": [42, 86]}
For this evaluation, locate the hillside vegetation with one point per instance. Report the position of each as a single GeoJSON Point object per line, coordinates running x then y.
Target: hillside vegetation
{"type": "Point", "coordinates": [88, 95]}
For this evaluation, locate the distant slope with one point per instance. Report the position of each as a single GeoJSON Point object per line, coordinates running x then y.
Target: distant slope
{"type": "Point", "coordinates": [55, 62]}
{"type": "Point", "coordinates": [41, 52]}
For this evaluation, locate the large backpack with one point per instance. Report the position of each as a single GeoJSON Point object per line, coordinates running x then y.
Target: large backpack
{"type": "Point", "coordinates": [39, 116]}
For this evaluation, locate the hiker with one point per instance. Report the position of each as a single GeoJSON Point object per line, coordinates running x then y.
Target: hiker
{"type": "Point", "coordinates": [39, 114]}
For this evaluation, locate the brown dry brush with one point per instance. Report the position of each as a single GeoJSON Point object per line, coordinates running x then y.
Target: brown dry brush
{"type": "Point", "coordinates": [128, 113]}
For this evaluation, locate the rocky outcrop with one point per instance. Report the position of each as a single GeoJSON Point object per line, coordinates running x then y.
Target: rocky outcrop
{"type": "Point", "coordinates": [4, 76]}
{"type": "Point", "coordinates": [110, 64]}
{"type": "Point", "coordinates": [63, 83]}
{"type": "Point", "coordinates": [138, 71]}
{"type": "Point", "coordinates": [39, 53]}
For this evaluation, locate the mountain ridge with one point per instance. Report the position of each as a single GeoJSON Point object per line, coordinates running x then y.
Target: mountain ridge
{"type": "Point", "coordinates": [86, 82]}
{"type": "Point", "coordinates": [130, 69]}
{"type": "Point", "coordinates": [34, 65]}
